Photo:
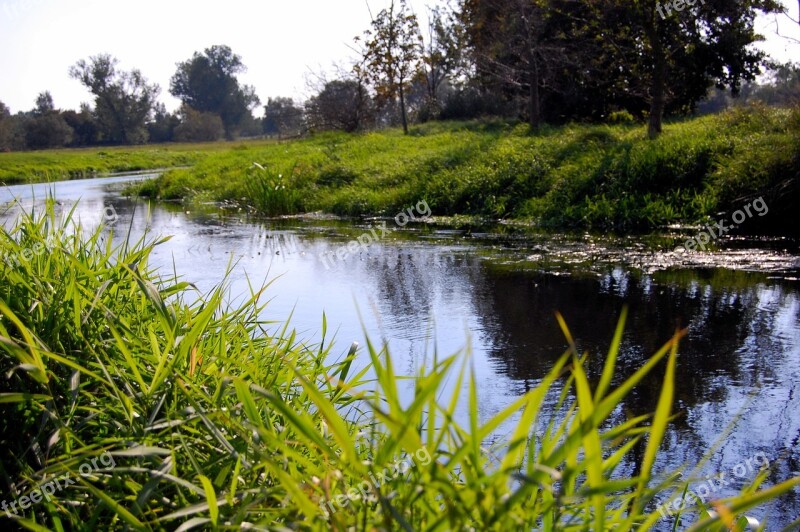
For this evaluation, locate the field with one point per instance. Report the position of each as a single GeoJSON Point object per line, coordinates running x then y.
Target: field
{"type": "Point", "coordinates": [82, 163]}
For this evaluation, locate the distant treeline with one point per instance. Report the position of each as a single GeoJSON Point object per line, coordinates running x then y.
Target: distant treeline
{"type": "Point", "coordinates": [542, 61]}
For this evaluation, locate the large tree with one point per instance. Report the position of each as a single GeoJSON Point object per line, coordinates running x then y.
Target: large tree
{"type": "Point", "coordinates": [391, 54]}
{"type": "Point", "coordinates": [46, 127]}
{"type": "Point", "coordinates": [342, 104]}
{"type": "Point", "coordinates": [123, 100]}
{"type": "Point", "coordinates": [526, 49]}
{"type": "Point", "coordinates": [675, 56]}
{"type": "Point", "coordinates": [208, 83]}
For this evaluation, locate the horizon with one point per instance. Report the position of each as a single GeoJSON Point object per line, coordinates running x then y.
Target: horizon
{"type": "Point", "coordinates": [318, 44]}
{"type": "Point", "coordinates": [264, 35]}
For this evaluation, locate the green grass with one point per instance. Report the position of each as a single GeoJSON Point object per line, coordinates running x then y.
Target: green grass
{"type": "Point", "coordinates": [212, 422]}
{"type": "Point", "coordinates": [585, 176]}
{"type": "Point", "coordinates": [579, 176]}
{"type": "Point", "coordinates": [54, 165]}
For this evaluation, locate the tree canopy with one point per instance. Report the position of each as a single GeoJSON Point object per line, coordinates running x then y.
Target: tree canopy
{"type": "Point", "coordinates": [207, 83]}
{"type": "Point", "coordinates": [123, 100]}
{"type": "Point", "coordinates": [391, 54]}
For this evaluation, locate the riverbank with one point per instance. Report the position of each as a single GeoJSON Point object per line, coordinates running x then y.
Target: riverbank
{"type": "Point", "coordinates": [573, 176]}
{"type": "Point", "coordinates": [584, 176]}
{"type": "Point", "coordinates": [83, 163]}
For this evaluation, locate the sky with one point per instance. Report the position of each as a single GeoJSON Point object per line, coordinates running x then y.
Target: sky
{"type": "Point", "coordinates": [282, 43]}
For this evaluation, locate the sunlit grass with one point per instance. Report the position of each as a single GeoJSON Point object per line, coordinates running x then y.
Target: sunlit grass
{"type": "Point", "coordinates": [215, 422]}
{"type": "Point", "coordinates": [596, 176]}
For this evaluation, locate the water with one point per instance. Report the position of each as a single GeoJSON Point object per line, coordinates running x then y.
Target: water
{"type": "Point", "coordinates": [429, 289]}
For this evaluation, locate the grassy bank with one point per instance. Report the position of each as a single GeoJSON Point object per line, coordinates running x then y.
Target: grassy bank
{"type": "Point", "coordinates": [168, 414]}
{"type": "Point", "coordinates": [583, 176]}
{"type": "Point", "coordinates": [577, 175]}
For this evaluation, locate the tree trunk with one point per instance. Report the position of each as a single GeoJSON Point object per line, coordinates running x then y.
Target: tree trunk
{"type": "Point", "coordinates": [403, 110]}
{"type": "Point", "coordinates": [658, 96]}
{"type": "Point", "coordinates": [534, 109]}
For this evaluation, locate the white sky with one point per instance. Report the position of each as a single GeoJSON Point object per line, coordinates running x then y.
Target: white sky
{"type": "Point", "coordinates": [280, 41]}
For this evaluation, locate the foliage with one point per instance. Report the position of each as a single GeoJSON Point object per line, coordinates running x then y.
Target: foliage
{"type": "Point", "coordinates": [282, 117]}
{"type": "Point", "coordinates": [47, 127]}
{"type": "Point", "coordinates": [341, 105]}
{"type": "Point", "coordinates": [583, 59]}
{"type": "Point", "coordinates": [443, 59]}
{"type": "Point", "coordinates": [272, 193]}
{"type": "Point", "coordinates": [198, 126]}
{"type": "Point", "coordinates": [207, 83]}
{"type": "Point", "coordinates": [621, 117]}
{"type": "Point", "coordinates": [49, 130]}
{"type": "Point", "coordinates": [85, 130]}
{"type": "Point", "coordinates": [5, 128]}
{"type": "Point", "coordinates": [391, 54]}
{"type": "Point", "coordinates": [206, 419]}
{"type": "Point", "coordinates": [123, 100]}
{"type": "Point", "coordinates": [162, 127]}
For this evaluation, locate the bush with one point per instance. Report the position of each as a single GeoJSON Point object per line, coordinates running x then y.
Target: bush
{"type": "Point", "coordinates": [621, 117]}
{"type": "Point", "coordinates": [199, 127]}
{"type": "Point", "coordinates": [271, 193]}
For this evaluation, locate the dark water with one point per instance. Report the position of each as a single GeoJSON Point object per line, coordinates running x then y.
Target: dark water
{"type": "Point", "coordinates": [492, 293]}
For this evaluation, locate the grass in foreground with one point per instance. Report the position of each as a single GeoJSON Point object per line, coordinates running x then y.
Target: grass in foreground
{"type": "Point", "coordinates": [212, 422]}
{"type": "Point", "coordinates": [594, 176]}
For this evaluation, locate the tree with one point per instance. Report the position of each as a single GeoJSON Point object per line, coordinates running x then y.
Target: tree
{"type": "Point", "coordinates": [46, 127]}
{"type": "Point", "coordinates": [524, 49]}
{"type": "Point", "coordinates": [123, 100]}
{"type": "Point", "coordinates": [5, 128]}
{"type": "Point", "coordinates": [199, 126]}
{"type": "Point", "coordinates": [680, 54]}
{"type": "Point", "coordinates": [783, 87]}
{"type": "Point", "coordinates": [442, 55]}
{"type": "Point", "coordinates": [341, 104]}
{"type": "Point", "coordinates": [207, 83]}
{"type": "Point", "coordinates": [282, 117]}
{"type": "Point", "coordinates": [391, 54]}
{"type": "Point", "coordinates": [44, 104]}
{"type": "Point", "coordinates": [85, 131]}
{"type": "Point", "coordinates": [162, 128]}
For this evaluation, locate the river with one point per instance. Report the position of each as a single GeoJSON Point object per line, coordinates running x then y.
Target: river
{"type": "Point", "coordinates": [492, 293]}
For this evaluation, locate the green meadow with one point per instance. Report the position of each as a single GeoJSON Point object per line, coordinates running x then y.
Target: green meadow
{"type": "Point", "coordinates": [82, 163]}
